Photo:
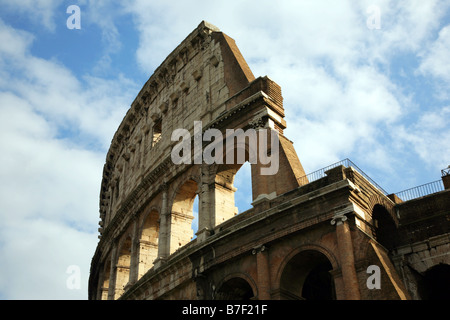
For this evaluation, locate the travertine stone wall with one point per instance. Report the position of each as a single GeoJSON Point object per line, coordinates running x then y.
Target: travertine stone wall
{"type": "Point", "coordinates": [146, 200]}
{"type": "Point", "coordinates": [333, 228]}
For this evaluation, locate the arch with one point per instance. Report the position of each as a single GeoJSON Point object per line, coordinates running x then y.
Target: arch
{"type": "Point", "coordinates": [314, 247]}
{"type": "Point", "coordinates": [195, 212]}
{"type": "Point", "coordinates": [384, 227]}
{"type": "Point", "coordinates": [104, 285]}
{"type": "Point", "coordinates": [305, 274]}
{"type": "Point", "coordinates": [386, 203]}
{"type": "Point", "coordinates": [236, 286]}
{"type": "Point", "coordinates": [224, 192]}
{"type": "Point", "coordinates": [435, 283]}
{"type": "Point", "coordinates": [181, 183]}
{"type": "Point", "coordinates": [123, 265]}
{"type": "Point", "coordinates": [234, 158]}
{"type": "Point", "coordinates": [243, 183]}
{"type": "Point", "coordinates": [182, 214]}
{"type": "Point", "coordinates": [148, 241]}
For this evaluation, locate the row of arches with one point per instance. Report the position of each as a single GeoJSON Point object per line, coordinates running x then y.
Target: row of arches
{"type": "Point", "coordinates": [140, 246]}
{"type": "Point", "coordinates": [309, 274]}
{"type": "Point", "coordinates": [215, 187]}
{"type": "Point", "coordinates": [311, 279]}
{"type": "Point", "coordinates": [147, 251]}
{"type": "Point", "coordinates": [305, 276]}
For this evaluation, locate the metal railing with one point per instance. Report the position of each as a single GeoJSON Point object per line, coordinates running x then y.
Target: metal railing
{"type": "Point", "coordinates": [446, 171]}
{"type": "Point", "coordinates": [316, 175]}
{"type": "Point", "coordinates": [421, 191]}
{"type": "Point", "coordinates": [405, 195]}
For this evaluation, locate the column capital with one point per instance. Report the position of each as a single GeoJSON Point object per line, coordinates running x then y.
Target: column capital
{"type": "Point", "coordinates": [164, 186]}
{"type": "Point", "coordinates": [340, 213]}
{"type": "Point", "coordinates": [159, 262]}
{"type": "Point", "coordinates": [259, 249]}
{"type": "Point", "coordinates": [338, 219]}
{"type": "Point", "coordinates": [258, 123]}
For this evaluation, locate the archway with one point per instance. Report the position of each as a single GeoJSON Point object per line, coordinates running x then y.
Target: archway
{"type": "Point", "coordinates": [104, 288]}
{"type": "Point", "coordinates": [235, 289]}
{"type": "Point", "coordinates": [435, 284]}
{"type": "Point", "coordinates": [243, 184]}
{"type": "Point", "coordinates": [148, 242]}
{"type": "Point", "coordinates": [182, 215]}
{"type": "Point", "coordinates": [235, 171]}
{"type": "Point", "coordinates": [224, 191]}
{"type": "Point", "coordinates": [123, 267]}
{"type": "Point", "coordinates": [195, 211]}
{"type": "Point", "coordinates": [306, 276]}
{"type": "Point", "coordinates": [385, 228]}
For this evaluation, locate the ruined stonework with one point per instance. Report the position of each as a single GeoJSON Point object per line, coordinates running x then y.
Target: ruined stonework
{"type": "Point", "coordinates": [304, 237]}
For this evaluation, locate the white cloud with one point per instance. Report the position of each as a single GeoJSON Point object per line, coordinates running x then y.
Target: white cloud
{"type": "Point", "coordinates": [40, 12]}
{"type": "Point", "coordinates": [405, 27]}
{"type": "Point", "coordinates": [436, 60]}
{"type": "Point", "coordinates": [37, 255]}
{"type": "Point", "coordinates": [341, 100]}
{"type": "Point", "coordinates": [93, 106]}
{"type": "Point", "coordinates": [429, 137]}
{"type": "Point", "coordinates": [54, 133]}
{"type": "Point", "coordinates": [49, 194]}
{"type": "Point", "coordinates": [17, 40]}
{"type": "Point", "coordinates": [242, 182]}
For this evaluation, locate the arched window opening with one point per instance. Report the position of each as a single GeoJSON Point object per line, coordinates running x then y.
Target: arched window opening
{"type": "Point", "coordinates": [157, 131]}
{"type": "Point", "coordinates": [318, 283]}
{"type": "Point", "coordinates": [105, 285]}
{"type": "Point", "coordinates": [181, 231]}
{"type": "Point", "coordinates": [233, 191]}
{"type": "Point", "coordinates": [384, 227]}
{"type": "Point", "coordinates": [435, 284]}
{"type": "Point", "coordinates": [243, 184]}
{"type": "Point", "coordinates": [195, 210]}
{"type": "Point", "coordinates": [307, 277]}
{"type": "Point", "coordinates": [123, 267]}
{"type": "Point", "coordinates": [148, 242]}
{"type": "Point", "coordinates": [235, 289]}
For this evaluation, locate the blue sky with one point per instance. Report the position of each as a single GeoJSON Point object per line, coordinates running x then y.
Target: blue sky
{"type": "Point", "coordinates": [377, 96]}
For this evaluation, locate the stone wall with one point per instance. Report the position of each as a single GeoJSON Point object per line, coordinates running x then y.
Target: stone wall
{"type": "Point", "coordinates": [300, 240]}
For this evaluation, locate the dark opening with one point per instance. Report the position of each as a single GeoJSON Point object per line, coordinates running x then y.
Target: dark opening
{"type": "Point", "coordinates": [157, 130]}
{"type": "Point", "coordinates": [435, 284]}
{"type": "Point", "coordinates": [307, 277]}
{"type": "Point", "coordinates": [318, 283]}
{"type": "Point", "coordinates": [385, 228]}
{"type": "Point", "coordinates": [235, 289]}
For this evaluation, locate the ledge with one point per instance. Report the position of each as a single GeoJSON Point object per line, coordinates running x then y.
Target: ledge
{"type": "Point", "coordinates": [230, 227]}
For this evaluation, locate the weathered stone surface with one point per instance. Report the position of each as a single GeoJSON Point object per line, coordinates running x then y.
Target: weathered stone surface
{"type": "Point", "coordinates": [299, 235]}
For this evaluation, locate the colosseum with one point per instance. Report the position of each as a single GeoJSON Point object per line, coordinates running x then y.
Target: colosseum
{"type": "Point", "coordinates": [330, 234]}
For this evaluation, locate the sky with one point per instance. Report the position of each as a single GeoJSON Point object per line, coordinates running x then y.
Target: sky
{"type": "Point", "coordinates": [364, 80]}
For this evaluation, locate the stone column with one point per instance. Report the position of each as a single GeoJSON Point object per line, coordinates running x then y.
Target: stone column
{"type": "Point", "coordinates": [263, 271]}
{"type": "Point", "coordinates": [346, 256]}
{"type": "Point", "coordinates": [164, 229]}
{"type": "Point", "coordinates": [206, 203]}
{"type": "Point", "coordinates": [102, 291]}
{"type": "Point", "coordinates": [134, 258]}
{"type": "Point", "coordinates": [112, 273]}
